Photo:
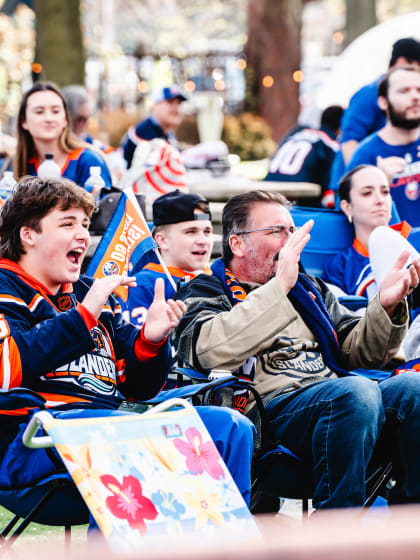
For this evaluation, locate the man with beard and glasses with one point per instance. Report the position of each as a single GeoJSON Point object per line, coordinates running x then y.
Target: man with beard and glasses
{"type": "Point", "coordinates": [395, 148]}
{"type": "Point", "coordinates": [255, 316]}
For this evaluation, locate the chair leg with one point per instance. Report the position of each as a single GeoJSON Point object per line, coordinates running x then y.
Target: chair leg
{"type": "Point", "coordinates": [383, 476]}
{"type": "Point", "coordinates": [9, 527]}
{"type": "Point", "coordinates": [305, 510]}
{"type": "Point", "coordinates": [25, 522]}
{"type": "Point", "coordinates": [67, 538]}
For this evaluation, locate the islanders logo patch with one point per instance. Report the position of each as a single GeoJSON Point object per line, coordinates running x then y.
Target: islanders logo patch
{"type": "Point", "coordinates": [111, 267]}
{"type": "Point", "coordinates": [412, 190]}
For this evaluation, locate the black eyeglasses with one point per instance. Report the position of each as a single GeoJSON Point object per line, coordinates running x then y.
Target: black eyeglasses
{"type": "Point", "coordinates": [276, 231]}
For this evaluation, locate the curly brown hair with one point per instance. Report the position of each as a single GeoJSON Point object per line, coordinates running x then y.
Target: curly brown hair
{"type": "Point", "coordinates": [32, 199]}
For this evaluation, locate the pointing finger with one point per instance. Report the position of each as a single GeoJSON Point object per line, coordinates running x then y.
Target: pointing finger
{"type": "Point", "coordinates": [159, 290]}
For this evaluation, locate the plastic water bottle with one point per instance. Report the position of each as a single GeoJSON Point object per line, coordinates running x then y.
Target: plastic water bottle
{"type": "Point", "coordinates": [94, 183]}
{"type": "Point", "coordinates": [6, 185]}
{"type": "Point", "coordinates": [49, 167]}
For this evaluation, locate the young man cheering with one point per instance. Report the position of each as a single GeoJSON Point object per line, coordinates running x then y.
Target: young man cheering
{"type": "Point", "coordinates": [63, 335]}
{"type": "Point", "coordinates": [183, 232]}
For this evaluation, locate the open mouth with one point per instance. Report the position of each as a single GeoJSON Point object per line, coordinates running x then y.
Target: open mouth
{"type": "Point", "coordinates": [199, 253]}
{"type": "Point", "coordinates": [75, 256]}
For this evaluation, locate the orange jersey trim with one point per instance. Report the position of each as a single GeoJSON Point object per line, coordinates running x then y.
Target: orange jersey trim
{"type": "Point", "coordinates": [403, 227]}
{"type": "Point", "coordinates": [10, 364]}
{"type": "Point", "coordinates": [174, 270]}
{"type": "Point", "coordinates": [360, 248]}
{"type": "Point", "coordinates": [72, 156]}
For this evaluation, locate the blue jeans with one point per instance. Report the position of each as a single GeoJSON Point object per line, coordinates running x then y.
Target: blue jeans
{"type": "Point", "coordinates": [340, 425]}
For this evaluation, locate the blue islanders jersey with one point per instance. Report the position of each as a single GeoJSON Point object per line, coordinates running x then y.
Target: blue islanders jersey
{"type": "Point", "coordinates": [363, 115]}
{"type": "Point", "coordinates": [405, 187]}
{"type": "Point", "coordinates": [361, 118]}
{"type": "Point", "coordinates": [77, 166]}
{"type": "Point", "coordinates": [51, 344]}
{"type": "Point", "coordinates": [305, 156]}
{"type": "Point", "coordinates": [350, 270]}
{"type": "Point", "coordinates": [141, 297]}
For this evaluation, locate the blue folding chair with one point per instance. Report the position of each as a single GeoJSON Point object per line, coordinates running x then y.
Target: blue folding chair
{"type": "Point", "coordinates": [330, 234]}
{"type": "Point", "coordinates": [52, 500]}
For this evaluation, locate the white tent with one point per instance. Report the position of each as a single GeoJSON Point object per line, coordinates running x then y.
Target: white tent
{"type": "Point", "coordinates": [366, 58]}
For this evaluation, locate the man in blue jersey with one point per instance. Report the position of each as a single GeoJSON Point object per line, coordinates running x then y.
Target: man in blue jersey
{"type": "Point", "coordinates": [183, 232]}
{"type": "Point", "coordinates": [363, 115]}
{"type": "Point", "coordinates": [306, 155]}
{"type": "Point", "coordinates": [395, 148]}
{"type": "Point", "coordinates": [165, 115]}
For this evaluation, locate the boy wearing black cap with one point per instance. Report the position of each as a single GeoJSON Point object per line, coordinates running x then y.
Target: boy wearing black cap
{"type": "Point", "coordinates": [183, 232]}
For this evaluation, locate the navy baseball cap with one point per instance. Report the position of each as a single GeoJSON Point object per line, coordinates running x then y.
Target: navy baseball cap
{"type": "Point", "coordinates": [175, 207]}
{"type": "Point", "coordinates": [408, 48]}
{"type": "Point", "coordinates": [168, 93]}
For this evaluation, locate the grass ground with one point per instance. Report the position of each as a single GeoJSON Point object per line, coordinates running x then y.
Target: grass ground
{"type": "Point", "coordinates": [41, 534]}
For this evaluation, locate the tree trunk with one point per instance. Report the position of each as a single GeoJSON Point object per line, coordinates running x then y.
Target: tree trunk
{"type": "Point", "coordinates": [273, 49]}
{"type": "Point", "coordinates": [59, 47]}
{"type": "Point", "coordinates": [360, 16]}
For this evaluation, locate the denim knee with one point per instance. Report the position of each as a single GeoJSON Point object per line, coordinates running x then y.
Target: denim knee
{"type": "Point", "coordinates": [401, 394]}
{"type": "Point", "coordinates": [363, 397]}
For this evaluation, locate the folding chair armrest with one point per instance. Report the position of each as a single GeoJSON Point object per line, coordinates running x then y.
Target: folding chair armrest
{"type": "Point", "coordinates": [167, 405]}
{"type": "Point", "coordinates": [30, 439]}
{"type": "Point", "coordinates": [189, 391]}
{"type": "Point", "coordinates": [192, 374]}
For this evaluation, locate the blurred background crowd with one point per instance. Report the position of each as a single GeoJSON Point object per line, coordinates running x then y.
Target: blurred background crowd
{"type": "Point", "coordinates": [251, 69]}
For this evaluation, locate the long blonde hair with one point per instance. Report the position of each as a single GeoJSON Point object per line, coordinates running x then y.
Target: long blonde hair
{"type": "Point", "coordinates": [25, 148]}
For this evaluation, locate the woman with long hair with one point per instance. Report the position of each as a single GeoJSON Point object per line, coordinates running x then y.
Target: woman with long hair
{"type": "Point", "coordinates": [365, 199]}
{"type": "Point", "coordinates": [43, 127]}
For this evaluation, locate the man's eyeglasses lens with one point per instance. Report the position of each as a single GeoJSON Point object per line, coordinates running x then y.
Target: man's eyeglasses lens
{"type": "Point", "coordinates": [277, 231]}
{"type": "Point", "coordinates": [282, 231]}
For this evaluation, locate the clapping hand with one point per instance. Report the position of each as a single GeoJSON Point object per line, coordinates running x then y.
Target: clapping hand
{"type": "Point", "coordinates": [399, 282]}
{"type": "Point", "coordinates": [289, 256]}
{"type": "Point", "coordinates": [102, 288]}
{"type": "Point", "coordinates": [162, 315]}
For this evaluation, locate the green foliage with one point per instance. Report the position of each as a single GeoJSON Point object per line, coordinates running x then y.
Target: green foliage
{"type": "Point", "coordinates": [248, 136]}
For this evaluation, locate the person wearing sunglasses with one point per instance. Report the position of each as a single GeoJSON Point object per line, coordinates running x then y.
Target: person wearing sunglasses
{"type": "Point", "coordinates": [258, 317]}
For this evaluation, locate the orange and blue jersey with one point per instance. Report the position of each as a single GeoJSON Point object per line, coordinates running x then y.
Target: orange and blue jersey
{"type": "Point", "coordinates": [140, 298]}
{"type": "Point", "coordinates": [53, 345]}
{"type": "Point", "coordinates": [350, 270]}
{"type": "Point", "coordinates": [77, 166]}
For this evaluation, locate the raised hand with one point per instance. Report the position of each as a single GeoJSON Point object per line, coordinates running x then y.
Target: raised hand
{"type": "Point", "coordinates": [102, 288]}
{"type": "Point", "coordinates": [399, 282]}
{"type": "Point", "coordinates": [288, 263]}
{"type": "Point", "coordinates": [391, 166]}
{"type": "Point", "coordinates": [162, 315]}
